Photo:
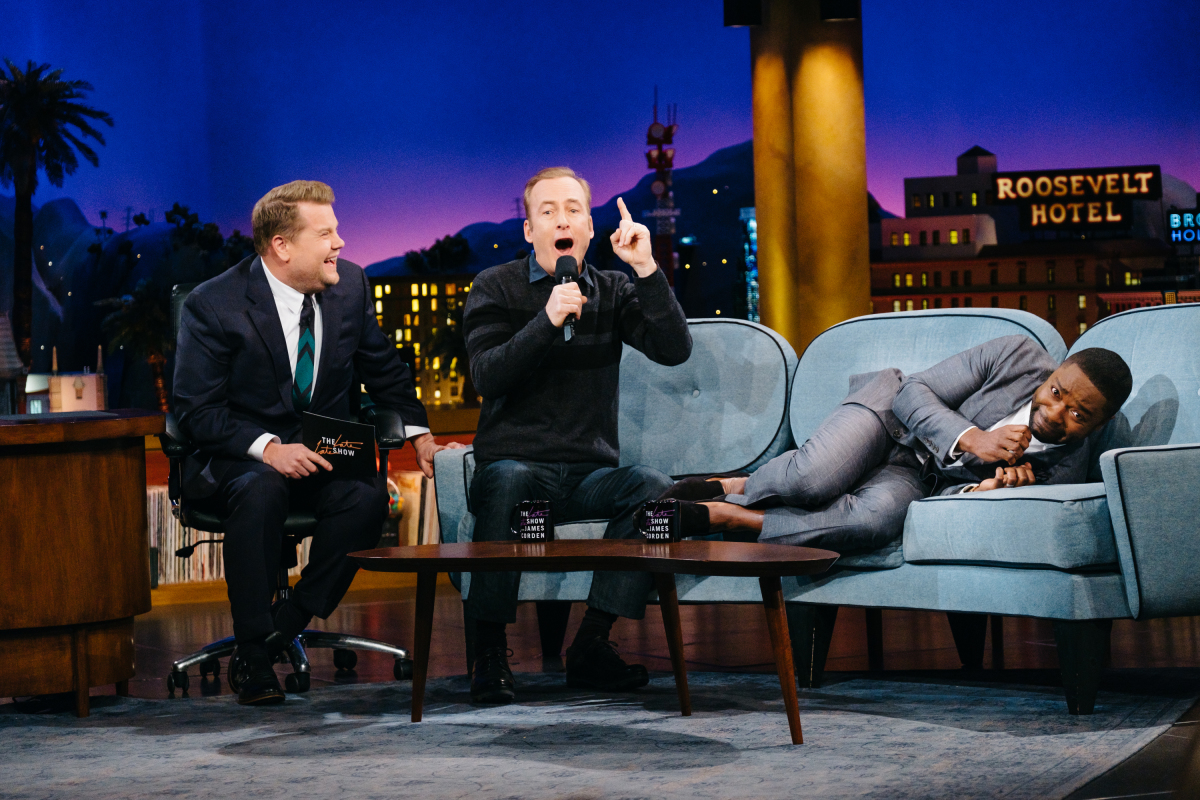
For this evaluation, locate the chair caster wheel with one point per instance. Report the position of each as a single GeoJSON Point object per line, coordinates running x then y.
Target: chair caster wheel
{"type": "Point", "coordinates": [177, 680]}
{"type": "Point", "coordinates": [402, 669]}
{"type": "Point", "coordinates": [296, 682]}
{"type": "Point", "coordinates": [210, 667]}
{"type": "Point", "coordinates": [345, 659]}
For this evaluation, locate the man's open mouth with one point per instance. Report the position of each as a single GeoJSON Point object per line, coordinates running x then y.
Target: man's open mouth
{"type": "Point", "coordinates": [564, 245]}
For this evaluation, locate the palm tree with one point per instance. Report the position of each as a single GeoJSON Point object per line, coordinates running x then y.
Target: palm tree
{"type": "Point", "coordinates": [37, 111]}
{"type": "Point", "coordinates": [140, 322]}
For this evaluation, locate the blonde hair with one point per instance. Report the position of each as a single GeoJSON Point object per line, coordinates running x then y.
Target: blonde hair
{"type": "Point", "coordinates": [276, 214]}
{"type": "Point", "coordinates": [556, 172]}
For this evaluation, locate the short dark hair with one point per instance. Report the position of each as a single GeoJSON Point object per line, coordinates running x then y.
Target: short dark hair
{"type": "Point", "coordinates": [1108, 372]}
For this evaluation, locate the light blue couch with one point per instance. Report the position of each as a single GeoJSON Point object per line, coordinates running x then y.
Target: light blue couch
{"type": "Point", "coordinates": [1081, 555]}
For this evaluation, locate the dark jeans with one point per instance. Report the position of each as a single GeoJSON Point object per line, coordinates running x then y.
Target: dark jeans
{"type": "Point", "coordinates": [576, 492]}
{"type": "Point", "coordinates": [254, 500]}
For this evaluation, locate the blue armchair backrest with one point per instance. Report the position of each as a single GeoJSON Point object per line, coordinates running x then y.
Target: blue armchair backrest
{"type": "Point", "coordinates": [724, 409]}
{"type": "Point", "coordinates": [909, 341]}
{"type": "Point", "coordinates": [1160, 346]}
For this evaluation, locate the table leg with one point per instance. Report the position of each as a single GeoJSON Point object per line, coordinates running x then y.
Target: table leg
{"type": "Point", "coordinates": [772, 594]}
{"type": "Point", "coordinates": [79, 655]}
{"type": "Point", "coordinates": [668, 601]}
{"type": "Point", "coordinates": [426, 591]}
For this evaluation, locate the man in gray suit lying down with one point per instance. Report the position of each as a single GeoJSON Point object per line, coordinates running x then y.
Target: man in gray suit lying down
{"type": "Point", "coordinates": [998, 415]}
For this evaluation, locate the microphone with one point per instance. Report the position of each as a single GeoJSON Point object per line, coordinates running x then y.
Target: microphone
{"type": "Point", "coordinates": [567, 270]}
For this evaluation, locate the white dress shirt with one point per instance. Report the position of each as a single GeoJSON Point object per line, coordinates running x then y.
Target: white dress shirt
{"type": "Point", "coordinates": [289, 303]}
{"type": "Point", "coordinates": [1018, 417]}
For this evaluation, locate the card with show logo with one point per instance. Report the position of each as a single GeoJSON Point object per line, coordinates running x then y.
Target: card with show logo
{"type": "Point", "coordinates": [348, 446]}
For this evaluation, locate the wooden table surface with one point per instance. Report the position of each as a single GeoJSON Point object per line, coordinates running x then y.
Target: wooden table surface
{"type": "Point", "coordinates": [739, 559]}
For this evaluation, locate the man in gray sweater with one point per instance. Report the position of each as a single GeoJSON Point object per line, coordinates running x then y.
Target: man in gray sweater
{"type": "Point", "coordinates": [548, 427]}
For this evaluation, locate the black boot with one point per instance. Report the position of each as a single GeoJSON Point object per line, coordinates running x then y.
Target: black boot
{"type": "Point", "coordinates": [258, 684]}
{"type": "Point", "coordinates": [492, 680]}
{"type": "Point", "coordinates": [594, 664]}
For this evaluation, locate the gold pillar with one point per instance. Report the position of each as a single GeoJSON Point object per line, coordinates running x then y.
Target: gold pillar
{"type": "Point", "coordinates": [810, 170]}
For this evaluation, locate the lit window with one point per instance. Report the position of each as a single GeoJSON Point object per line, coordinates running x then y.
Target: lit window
{"type": "Point", "coordinates": [450, 289]}
{"type": "Point", "coordinates": [953, 236]}
{"type": "Point", "coordinates": [1129, 279]}
{"type": "Point", "coordinates": [437, 394]}
{"type": "Point", "coordinates": [433, 290]}
{"type": "Point", "coordinates": [931, 201]}
{"type": "Point", "coordinates": [974, 198]}
{"type": "Point", "coordinates": [924, 304]}
{"type": "Point", "coordinates": [418, 392]}
{"type": "Point", "coordinates": [916, 201]}
{"type": "Point", "coordinates": [378, 306]}
{"type": "Point", "coordinates": [408, 334]}
{"type": "Point", "coordinates": [1049, 274]}
{"type": "Point", "coordinates": [895, 305]}
{"type": "Point", "coordinates": [424, 289]}
{"type": "Point", "coordinates": [896, 280]}
{"type": "Point", "coordinates": [895, 239]}
{"type": "Point", "coordinates": [416, 306]}
{"type": "Point", "coordinates": [924, 278]}
{"type": "Point", "coordinates": [387, 288]}
{"type": "Point", "coordinates": [1082, 327]}
{"type": "Point", "coordinates": [416, 322]}
{"type": "Point", "coordinates": [1083, 301]}
{"type": "Point", "coordinates": [907, 239]}
{"type": "Point", "coordinates": [416, 290]}
{"type": "Point", "coordinates": [379, 321]}
{"type": "Point", "coordinates": [1050, 303]}
{"type": "Point", "coordinates": [437, 362]}
{"type": "Point", "coordinates": [408, 319]}
{"type": "Point", "coordinates": [417, 349]}
{"type": "Point", "coordinates": [378, 291]}
{"type": "Point", "coordinates": [908, 305]}
{"type": "Point", "coordinates": [399, 335]}
{"type": "Point", "coordinates": [433, 303]}
{"type": "Point", "coordinates": [908, 279]}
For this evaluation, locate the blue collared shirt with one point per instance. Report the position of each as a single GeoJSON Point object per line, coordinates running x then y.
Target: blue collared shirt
{"type": "Point", "coordinates": [537, 272]}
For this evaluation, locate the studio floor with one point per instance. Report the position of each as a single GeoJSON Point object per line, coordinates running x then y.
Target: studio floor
{"type": "Point", "coordinates": [717, 639]}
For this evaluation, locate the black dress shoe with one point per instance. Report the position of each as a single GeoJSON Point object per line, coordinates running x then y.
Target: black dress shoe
{"type": "Point", "coordinates": [694, 518]}
{"type": "Point", "coordinates": [492, 680]}
{"type": "Point", "coordinates": [258, 684]}
{"type": "Point", "coordinates": [596, 665]}
{"type": "Point", "coordinates": [693, 489]}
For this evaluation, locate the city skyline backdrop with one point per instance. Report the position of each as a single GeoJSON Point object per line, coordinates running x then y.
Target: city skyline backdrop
{"type": "Point", "coordinates": [426, 119]}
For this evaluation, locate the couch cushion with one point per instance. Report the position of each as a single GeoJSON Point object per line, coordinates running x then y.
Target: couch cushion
{"type": "Point", "coordinates": [724, 409]}
{"type": "Point", "coordinates": [1060, 527]}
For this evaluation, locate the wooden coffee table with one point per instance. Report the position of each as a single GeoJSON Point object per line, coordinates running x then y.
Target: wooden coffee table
{"type": "Point", "coordinates": [766, 562]}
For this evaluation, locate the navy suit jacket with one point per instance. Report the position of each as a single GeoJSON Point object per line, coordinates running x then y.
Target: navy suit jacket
{"type": "Point", "coordinates": [233, 376]}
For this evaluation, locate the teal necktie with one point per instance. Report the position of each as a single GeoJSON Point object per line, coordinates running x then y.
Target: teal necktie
{"type": "Point", "coordinates": [302, 382]}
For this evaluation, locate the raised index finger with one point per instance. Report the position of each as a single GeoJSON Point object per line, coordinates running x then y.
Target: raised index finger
{"type": "Point", "coordinates": [624, 211]}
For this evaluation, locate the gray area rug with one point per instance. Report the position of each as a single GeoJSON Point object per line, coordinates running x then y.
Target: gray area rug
{"type": "Point", "coordinates": [898, 737]}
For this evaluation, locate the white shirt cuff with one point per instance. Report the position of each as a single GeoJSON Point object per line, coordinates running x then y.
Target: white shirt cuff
{"type": "Point", "coordinates": [260, 444]}
{"type": "Point", "coordinates": [969, 488]}
{"type": "Point", "coordinates": [411, 431]}
{"type": "Point", "coordinates": [954, 451]}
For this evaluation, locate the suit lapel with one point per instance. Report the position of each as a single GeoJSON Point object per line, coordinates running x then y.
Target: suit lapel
{"type": "Point", "coordinates": [265, 317]}
{"type": "Point", "coordinates": [332, 309]}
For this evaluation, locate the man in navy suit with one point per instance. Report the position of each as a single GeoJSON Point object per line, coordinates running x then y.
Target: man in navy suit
{"type": "Point", "coordinates": [289, 330]}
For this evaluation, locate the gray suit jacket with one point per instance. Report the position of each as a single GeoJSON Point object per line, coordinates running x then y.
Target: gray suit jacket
{"type": "Point", "coordinates": [928, 410]}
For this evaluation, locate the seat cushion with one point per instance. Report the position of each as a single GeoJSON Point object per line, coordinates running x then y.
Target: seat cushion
{"type": "Point", "coordinates": [1063, 527]}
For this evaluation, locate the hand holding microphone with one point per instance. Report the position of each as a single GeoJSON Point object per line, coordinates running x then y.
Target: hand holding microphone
{"type": "Point", "coordinates": [566, 301]}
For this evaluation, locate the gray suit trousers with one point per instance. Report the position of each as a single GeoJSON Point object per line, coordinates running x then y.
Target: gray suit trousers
{"type": "Point", "coordinates": [846, 489]}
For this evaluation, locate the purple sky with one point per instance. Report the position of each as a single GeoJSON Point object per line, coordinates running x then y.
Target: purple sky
{"type": "Point", "coordinates": [427, 117]}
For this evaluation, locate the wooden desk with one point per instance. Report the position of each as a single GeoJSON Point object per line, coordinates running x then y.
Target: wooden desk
{"type": "Point", "coordinates": [74, 556]}
{"type": "Point", "coordinates": [767, 562]}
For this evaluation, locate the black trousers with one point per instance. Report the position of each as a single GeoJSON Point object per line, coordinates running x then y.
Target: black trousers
{"type": "Point", "coordinates": [254, 500]}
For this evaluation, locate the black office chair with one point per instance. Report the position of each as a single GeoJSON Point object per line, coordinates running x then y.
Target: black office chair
{"type": "Point", "coordinates": [389, 432]}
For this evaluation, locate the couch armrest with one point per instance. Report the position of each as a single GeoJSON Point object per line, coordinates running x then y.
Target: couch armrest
{"type": "Point", "coordinates": [1155, 505]}
{"type": "Point", "coordinates": [174, 443]}
{"type": "Point", "coordinates": [452, 472]}
{"type": "Point", "coordinates": [389, 427]}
